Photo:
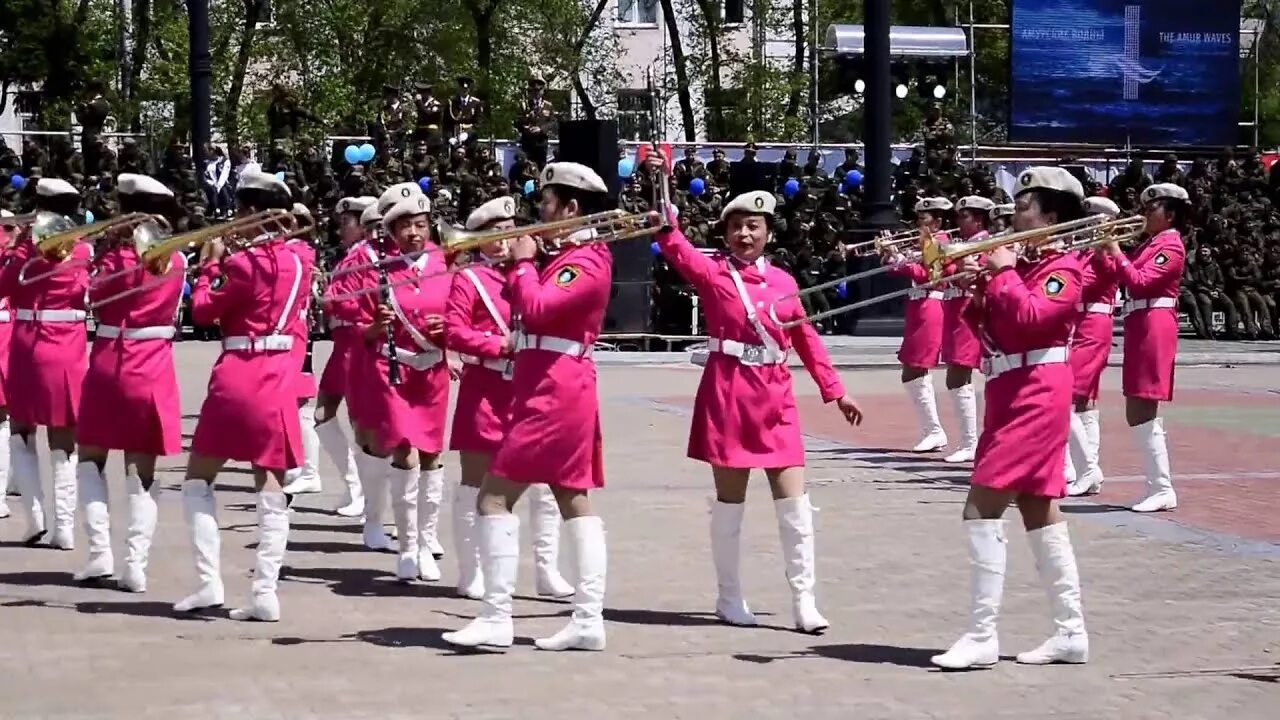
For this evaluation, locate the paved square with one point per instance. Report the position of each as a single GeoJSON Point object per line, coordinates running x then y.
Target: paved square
{"type": "Point", "coordinates": [1182, 609]}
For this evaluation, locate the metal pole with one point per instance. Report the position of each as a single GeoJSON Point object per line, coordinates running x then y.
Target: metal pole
{"type": "Point", "coordinates": [877, 117]}
{"type": "Point", "coordinates": [201, 79]}
{"type": "Point", "coordinates": [1257, 58]}
{"type": "Point", "coordinates": [973, 85]}
{"type": "Point", "coordinates": [813, 66]}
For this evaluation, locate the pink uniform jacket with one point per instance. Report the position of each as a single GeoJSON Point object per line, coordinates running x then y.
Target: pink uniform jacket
{"type": "Point", "coordinates": [414, 412]}
{"type": "Point", "coordinates": [1152, 277]}
{"type": "Point", "coordinates": [1025, 318]}
{"type": "Point", "coordinates": [554, 435]}
{"type": "Point", "coordinates": [922, 328]}
{"type": "Point", "coordinates": [1091, 346]}
{"type": "Point", "coordinates": [300, 325]}
{"type": "Point", "coordinates": [357, 315]}
{"type": "Point", "coordinates": [475, 325]}
{"type": "Point", "coordinates": [6, 325]}
{"type": "Point", "coordinates": [745, 416]}
{"type": "Point", "coordinates": [131, 400]}
{"type": "Point", "coordinates": [333, 380]}
{"type": "Point", "coordinates": [250, 412]}
{"type": "Point", "coordinates": [48, 353]}
{"type": "Point", "coordinates": [960, 346]}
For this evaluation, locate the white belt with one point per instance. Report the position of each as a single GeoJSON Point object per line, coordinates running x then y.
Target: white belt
{"type": "Point", "coordinates": [1100, 308]}
{"type": "Point", "coordinates": [335, 323]}
{"type": "Point", "coordinates": [51, 315]}
{"type": "Point", "coordinates": [922, 293]}
{"type": "Point", "coordinates": [1152, 304]}
{"type": "Point", "coordinates": [747, 354]}
{"type": "Point", "coordinates": [997, 365]}
{"type": "Point", "coordinates": [573, 348]}
{"type": "Point", "coordinates": [954, 293]}
{"type": "Point", "coordinates": [5, 316]}
{"type": "Point", "coordinates": [264, 343]}
{"type": "Point", "coordinates": [424, 360]}
{"type": "Point", "coordinates": [498, 364]}
{"type": "Point", "coordinates": [153, 332]}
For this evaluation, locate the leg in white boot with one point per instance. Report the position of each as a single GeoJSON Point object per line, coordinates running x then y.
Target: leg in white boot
{"type": "Point", "coordinates": [334, 442]}
{"type": "Point", "coordinates": [25, 465]}
{"type": "Point", "coordinates": [1056, 562]}
{"type": "Point", "coordinates": [1093, 448]}
{"type": "Point", "coordinates": [1155, 455]}
{"type": "Point", "coordinates": [466, 542]}
{"type": "Point", "coordinates": [306, 479]}
{"type": "Point", "coordinates": [404, 508]}
{"type": "Point", "coordinates": [430, 500]}
{"type": "Point", "coordinates": [795, 530]}
{"type": "Point", "coordinates": [499, 539]}
{"type": "Point", "coordinates": [585, 630]}
{"type": "Point", "coordinates": [64, 499]}
{"type": "Point", "coordinates": [1068, 467]}
{"type": "Point", "coordinates": [199, 507]}
{"type": "Point", "coordinates": [142, 527]}
{"type": "Point", "coordinates": [4, 468]}
{"type": "Point", "coordinates": [966, 404]}
{"type": "Point", "coordinates": [1084, 482]}
{"type": "Point", "coordinates": [544, 519]}
{"type": "Point", "coordinates": [97, 522]}
{"type": "Point", "coordinates": [726, 554]}
{"type": "Point", "coordinates": [932, 436]}
{"type": "Point", "coordinates": [373, 475]}
{"type": "Point", "coordinates": [273, 538]}
{"type": "Point", "coordinates": [980, 645]}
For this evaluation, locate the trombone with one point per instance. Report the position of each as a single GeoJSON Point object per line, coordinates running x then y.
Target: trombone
{"type": "Point", "coordinates": [55, 239]}
{"type": "Point", "coordinates": [881, 243]}
{"type": "Point", "coordinates": [1071, 236]}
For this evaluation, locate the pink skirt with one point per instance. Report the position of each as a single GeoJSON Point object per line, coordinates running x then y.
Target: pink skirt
{"type": "Point", "coordinates": [412, 413]}
{"type": "Point", "coordinates": [1090, 351]}
{"type": "Point", "coordinates": [250, 413]}
{"type": "Point", "coordinates": [960, 345]}
{"type": "Point", "coordinates": [482, 411]}
{"type": "Point", "coordinates": [745, 417]}
{"type": "Point", "coordinates": [358, 363]}
{"type": "Point", "coordinates": [130, 400]}
{"type": "Point", "coordinates": [333, 380]}
{"type": "Point", "coordinates": [6, 335]}
{"type": "Point", "coordinates": [47, 365]}
{"type": "Point", "coordinates": [1150, 354]}
{"type": "Point", "coordinates": [922, 334]}
{"type": "Point", "coordinates": [1024, 431]}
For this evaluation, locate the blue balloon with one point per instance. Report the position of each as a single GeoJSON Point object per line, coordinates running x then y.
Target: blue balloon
{"type": "Point", "coordinates": [17, 181]}
{"type": "Point", "coordinates": [424, 182]}
{"type": "Point", "coordinates": [853, 179]}
{"type": "Point", "coordinates": [351, 154]}
{"type": "Point", "coordinates": [186, 289]}
{"type": "Point", "coordinates": [88, 216]}
{"type": "Point", "coordinates": [653, 248]}
{"type": "Point", "coordinates": [529, 187]}
{"type": "Point", "coordinates": [842, 291]}
{"type": "Point", "coordinates": [697, 186]}
{"type": "Point", "coordinates": [280, 176]}
{"type": "Point", "coordinates": [366, 152]}
{"type": "Point", "coordinates": [626, 166]}
{"type": "Point", "coordinates": [791, 187]}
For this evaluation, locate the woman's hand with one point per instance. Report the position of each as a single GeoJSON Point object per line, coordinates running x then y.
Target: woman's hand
{"type": "Point", "coordinates": [1001, 258]}
{"type": "Point", "coordinates": [852, 413]}
{"type": "Point", "coordinates": [524, 248]}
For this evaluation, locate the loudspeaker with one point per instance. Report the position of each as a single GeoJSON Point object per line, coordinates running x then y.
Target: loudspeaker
{"type": "Point", "coordinates": [628, 310]}
{"type": "Point", "coordinates": [593, 143]}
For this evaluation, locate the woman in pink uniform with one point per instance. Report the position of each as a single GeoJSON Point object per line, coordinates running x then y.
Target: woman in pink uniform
{"type": "Point", "coordinates": [405, 416]}
{"type": "Point", "coordinates": [333, 380]}
{"type": "Point", "coordinates": [923, 329]}
{"type": "Point", "coordinates": [47, 361]}
{"type": "Point", "coordinates": [745, 415]}
{"type": "Point", "coordinates": [1025, 314]}
{"type": "Point", "coordinates": [250, 412]}
{"type": "Point", "coordinates": [1090, 350]}
{"type": "Point", "coordinates": [961, 350]}
{"type": "Point", "coordinates": [130, 401]}
{"type": "Point", "coordinates": [478, 326]}
{"type": "Point", "coordinates": [7, 234]}
{"type": "Point", "coordinates": [306, 477]}
{"type": "Point", "coordinates": [554, 435]}
{"type": "Point", "coordinates": [1152, 277]}
{"type": "Point", "coordinates": [1001, 218]}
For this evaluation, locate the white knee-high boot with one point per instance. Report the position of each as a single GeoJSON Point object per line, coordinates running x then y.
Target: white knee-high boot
{"type": "Point", "coordinates": [4, 468]}
{"type": "Point", "coordinates": [142, 527]}
{"type": "Point", "coordinates": [980, 645]}
{"type": "Point", "coordinates": [335, 444]}
{"type": "Point", "coordinates": [1093, 448]}
{"type": "Point", "coordinates": [726, 555]}
{"type": "Point", "coordinates": [201, 511]}
{"type": "Point", "coordinates": [430, 500]}
{"type": "Point", "coordinates": [404, 508]}
{"type": "Point", "coordinates": [585, 630]}
{"type": "Point", "coordinates": [64, 499]}
{"type": "Point", "coordinates": [965, 400]}
{"type": "Point", "coordinates": [932, 436]}
{"type": "Point", "coordinates": [544, 519]}
{"type": "Point", "coordinates": [25, 465]}
{"type": "Point", "coordinates": [500, 559]}
{"type": "Point", "coordinates": [306, 479]}
{"type": "Point", "coordinates": [273, 539]}
{"type": "Point", "coordinates": [1155, 455]}
{"type": "Point", "coordinates": [97, 522]}
{"type": "Point", "coordinates": [795, 530]}
{"type": "Point", "coordinates": [1084, 482]}
{"type": "Point", "coordinates": [1056, 563]}
{"type": "Point", "coordinates": [466, 542]}
{"type": "Point", "coordinates": [373, 476]}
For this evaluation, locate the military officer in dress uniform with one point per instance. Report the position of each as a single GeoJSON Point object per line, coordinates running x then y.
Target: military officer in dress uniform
{"type": "Point", "coordinates": [430, 126]}
{"type": "Point", "coordinates": [390, 126]}
{"type": "Point", "coordinates": [534, 123]}
{"type": "Point", "coordinates": [464, 113]}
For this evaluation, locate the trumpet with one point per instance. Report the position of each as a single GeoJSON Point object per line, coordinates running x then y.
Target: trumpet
{"type": "Point", "coordinates": [882, 243]}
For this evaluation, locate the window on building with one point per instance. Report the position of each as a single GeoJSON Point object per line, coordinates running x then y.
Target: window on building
{"type": "Point", "coordinates": [638, 12]}
{"type": "Point", "coordinates": [633, 115]}
{"type": "Point", "coordinates": [733, 12]}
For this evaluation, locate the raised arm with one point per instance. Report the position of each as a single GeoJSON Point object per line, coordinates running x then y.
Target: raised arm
{"type": "Point", "coordinates": [576, 288]}
{"type": "Point", "coordinates": [1032, 307]}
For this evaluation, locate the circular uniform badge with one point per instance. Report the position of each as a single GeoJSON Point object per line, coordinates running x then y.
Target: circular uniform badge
{"type": "Point", "coordinates": [759, 203]}
{"type": "Point", "coordinates": [404, 192]}
{"type": "Point", "coordinates": [509, 207]}
{"type": "Point", "coordinates": [218, 282]}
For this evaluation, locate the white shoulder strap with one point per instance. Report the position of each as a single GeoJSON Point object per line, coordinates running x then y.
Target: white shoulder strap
{"type": "Point", "coordinates": [765, 338]}
{"type": "Point", "coordinates": [417, 336]}
{"type": "Point", "coordinates": [488, 301]}
{"type": "Point", "coordinates": [293, 294]}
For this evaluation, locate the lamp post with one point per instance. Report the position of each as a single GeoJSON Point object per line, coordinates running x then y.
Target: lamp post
{"type": "Point", "coordinates": [201, 66]}
{"type": "Point", "coordinates": [879, 212]}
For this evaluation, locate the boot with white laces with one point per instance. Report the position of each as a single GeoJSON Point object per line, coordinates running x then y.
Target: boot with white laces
{"type": "Point", "coordinates": [4, 468]}
{"type": "Point", "coordinates": [933, 437]}
{"type": "Point", "coordinates": [726, 554]}
{"type": "Point", "coordinates": [980, 646]}
{"type": "Point", "coordinates": [430, 500]}
{"type": "Point", "coordinates": [499, 539]}
{"type": "Point", "coordinates": [64, 499]}
{"type": "Point", "coordinates": [965, 400]}
{"type": "Point", "coordinates": [334, 442]}
{"type": "Point", "coordinates": [273, 539]}
{"type": "Point", "coordinates": [1155, 456]}
{"type": "Point", "coordinates": [1056, 563]}
{"type": "Point", "coordinates": [373, 475]}
{"type": "Point", "coordinates": [404, 508]}
{"type": "Point", "coordinates": [466, 542]}
{"type": "Point", "coordinates": [97, 523]}
{"type": "Point", "coordinates": [142, 527]}
{"type": "Point", "coordinates": [306, 479]}
{"type": "Point", "coordinates": [25, 466]}
{"type": "Point", "coordinates": [544, 520]}
{"type": "Point", "coordinates": [199, 507]}
{"type": "Point", "coordinates": [585, 630]}
{"type": "Point", "coordinates": [795, 530]}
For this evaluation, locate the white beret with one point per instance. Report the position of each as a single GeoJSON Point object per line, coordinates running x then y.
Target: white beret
{"type": "Point", "coordinates": [1049, 178]}
{"type": "Point", "coordinates": [407, 207]}
{"type": "Point", "coordinates": [5, 213]}
{"type": "Point", "coordinates": [976, 202]}
{"type": "Point", "coordinates": [1099, 205]}
{"type": "Point", "coordinates": [1004, 210]}
{"type": "Point", "coordinates": [574, 175]}
{"type": "Point", "coordinates": [354, 204]}
{"type": "Point", "coordinates": [1164, 191]}
{"type": "Point", "coordinates": [757, 202]}
{"type": "Point", "coordinates": [265, 182]}
{"type": "Point", "coordinates": [933, 204]}
{"type": "Point", "coordinates": [503, 208]}
{"type": "Point", "coordinates": [133, 184]}
{"type": "Point", "coordinates": [303, 210]}
{"type": "Point", "coordinates": [396, 193]}
{"type": "Point", "coordinates": [54, 187]}
{"type": "Point", "coordinates": [370, 215]}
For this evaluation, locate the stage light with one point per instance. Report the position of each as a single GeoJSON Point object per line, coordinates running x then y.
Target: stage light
{"type": "Point", "coordinates": [931, 84]}
{"type": "Point", "coordinates": [939, 91]}
{"type": "Point", "coordinates": [860, 86]}
{"type": "Point", "coordinates": [901, 91]}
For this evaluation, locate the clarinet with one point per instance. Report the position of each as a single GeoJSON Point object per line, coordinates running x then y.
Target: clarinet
{"type": "Point", "coordinates": [393, 360]}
